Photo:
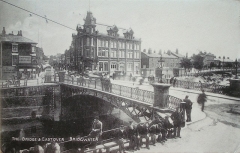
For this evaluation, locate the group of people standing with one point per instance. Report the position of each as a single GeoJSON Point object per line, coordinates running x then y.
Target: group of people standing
{"type": "Point", "coordinates": [157, 130]}
{"type": "Point", "coordinates": [173, 81]}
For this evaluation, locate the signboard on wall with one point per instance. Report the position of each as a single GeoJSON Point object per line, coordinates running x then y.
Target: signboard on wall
{"type": "Point", "coordinates": [25, 59]}
{"type": "Point", "coordinates": [8, 69]}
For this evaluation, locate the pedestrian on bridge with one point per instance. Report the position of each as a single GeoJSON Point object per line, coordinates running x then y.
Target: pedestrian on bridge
{"type": "Point", "coordinates": [188, 107]}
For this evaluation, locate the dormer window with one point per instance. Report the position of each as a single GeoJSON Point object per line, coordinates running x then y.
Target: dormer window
{"type": "Point", "coordinates": [33, 49]}
{"type": "Point", "coordinates": [14, 47]}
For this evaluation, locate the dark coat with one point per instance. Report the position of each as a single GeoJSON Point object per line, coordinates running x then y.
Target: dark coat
{"type": "Point", "coordinates": [131, 131]}
{"type": "Point", "coordinates": [177, 118]}
{"type": "Point", "coordinates": [188, 103]}
{"type": "Point", "coordinates": [202, 98]}
{"type": "Point", "coordinates": [142, 129]}
{"type": "Point", "coordinates": [121, 134]}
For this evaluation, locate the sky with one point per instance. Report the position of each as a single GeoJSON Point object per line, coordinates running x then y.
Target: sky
{"type": "Point", "coordinates": [187, 25]}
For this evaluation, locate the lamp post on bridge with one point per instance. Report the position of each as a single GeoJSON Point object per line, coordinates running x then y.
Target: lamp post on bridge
{"type": "Point", "coordinates": [160, 68]}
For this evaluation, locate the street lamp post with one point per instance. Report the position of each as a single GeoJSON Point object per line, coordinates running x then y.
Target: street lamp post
{"type": "Point", "coordinates": [161, 61]}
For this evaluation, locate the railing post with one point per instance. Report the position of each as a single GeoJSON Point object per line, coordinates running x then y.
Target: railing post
{"type": "Point", "coordinates": [120, 90]}
{"type": "Point", "coordinates": [95, 83]}
{"type": "Point", "coordinates": [131, 92]}
{"type": "Point", "coordinates": [143, 95]}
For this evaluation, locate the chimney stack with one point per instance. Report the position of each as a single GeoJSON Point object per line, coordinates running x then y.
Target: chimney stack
{"type": "Point", "coordinates": [20, 33]}
{"type": "Point", "coordinates": [3, 31]}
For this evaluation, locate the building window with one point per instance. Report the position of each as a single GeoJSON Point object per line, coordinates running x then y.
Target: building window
{"type": "Point", "coordinates": [33, 49]}
{"type": "Point", "coordinates": [88, 41]}
{"type": "Point", "coordinates": [130, 66]}
{"type": "Point", "coordinates": [123, 45]}
{"type": "Point", "coordinates": [123, 54]}
{"type": "Point", "coordinates": [105, 66]}
{"type": "Point", "coordinates": [106, 43]}
{"type": "Point", "coordinates": [14, 48]}
{"type": "Point", "coordinates": [112, 44]}
{"type": "Point", "coordinates": [113, 66]}
{"type": "Point", "coordinates": [100, 66]}
{"type": "Point", "coordinates": [99, 43]}
{"type": "Point", "coordinates": [130, 55]}
{"type": "Point", "coordinates": [14, 60]}
{"type": "Point", "coordinates": [91, 41]}
{"type": "Point", "coordinates": [113, 54]}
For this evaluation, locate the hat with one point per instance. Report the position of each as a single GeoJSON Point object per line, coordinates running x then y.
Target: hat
{"type": "Point", "coordinates": [96, 117]}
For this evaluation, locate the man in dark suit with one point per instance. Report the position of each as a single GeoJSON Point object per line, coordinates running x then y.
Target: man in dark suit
{"type": "Point", "coordinates": [133, 136]}
{"type": "Point", "coordinates": [121, 135]}
{"type": "Point", "coordinates": [188, 107]}
{"type": "Point", "coordinates": [177, 119]}
{"type": "Point", "coordinates": [143, 132]}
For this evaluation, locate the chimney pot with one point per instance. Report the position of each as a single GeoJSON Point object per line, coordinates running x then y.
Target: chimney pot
{"type": "Point", "coordinates": [20, 32]}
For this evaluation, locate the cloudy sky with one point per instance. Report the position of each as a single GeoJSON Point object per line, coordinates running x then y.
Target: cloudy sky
{"type": "Point", "coordinates": [187, 25]}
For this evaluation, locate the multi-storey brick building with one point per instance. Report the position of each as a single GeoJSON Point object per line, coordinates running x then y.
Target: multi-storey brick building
{"type": "Point", "coordinates": [18, 56]}
{"type": "Point", "coordinates": [151, 60]}
{"type": "Point", "coordinates": [105, 52]}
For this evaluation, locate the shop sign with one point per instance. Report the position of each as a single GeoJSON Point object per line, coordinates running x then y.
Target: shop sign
{"type": "Point", "coordinates": [25, 59]}
{"type": "Point", "coordinates": [8, 69]}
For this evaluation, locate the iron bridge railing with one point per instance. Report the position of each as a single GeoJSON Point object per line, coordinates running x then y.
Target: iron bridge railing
{"type": "Point", "coordinates": [107, 86]}
{"type": "Point", "coordinates": [214, 88]}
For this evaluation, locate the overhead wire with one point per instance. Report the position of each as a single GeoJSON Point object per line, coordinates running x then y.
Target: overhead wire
{"type": "Point", "coordinates": [47, 19]}
{"type": "Point", "coordinates": [44, 17]}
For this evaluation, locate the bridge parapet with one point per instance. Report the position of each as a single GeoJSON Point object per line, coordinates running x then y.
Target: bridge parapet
{"type": "Point", "coordinates": [107, 86]}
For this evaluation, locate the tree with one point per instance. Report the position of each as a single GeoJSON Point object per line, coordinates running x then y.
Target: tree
{"type": "Point", "coordinates": [186, 63]}
{"type": "Point", "coordinates": [197, 62]}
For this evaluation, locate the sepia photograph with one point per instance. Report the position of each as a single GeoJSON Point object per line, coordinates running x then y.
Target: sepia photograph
{"type": "Point", "coordinates": [119, 76]}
